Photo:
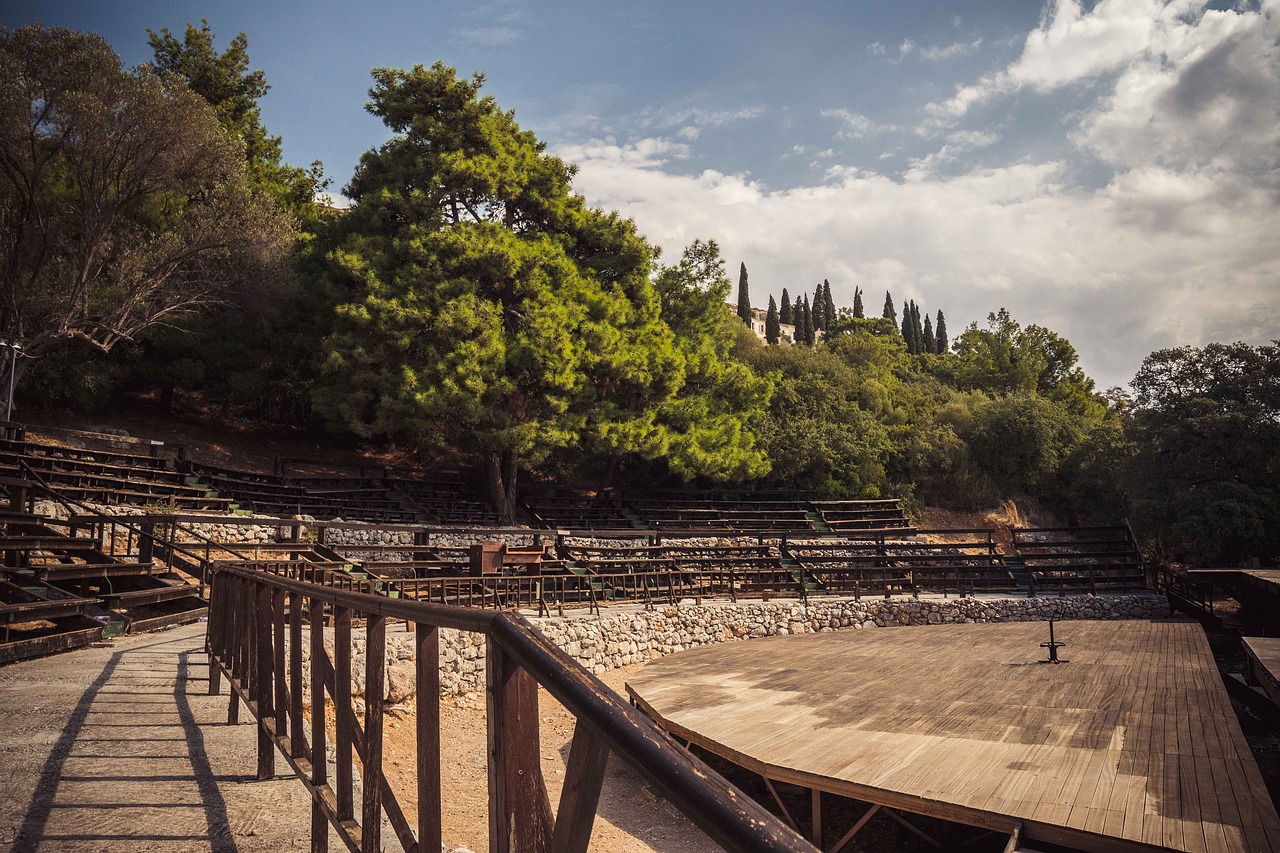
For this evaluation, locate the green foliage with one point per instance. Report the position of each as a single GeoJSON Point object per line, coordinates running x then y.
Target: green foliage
{"type": "Point", "coordinates": [889, 312]}
{"type": "Point", "coordinates": [818, 306]}
{"type": "Point", "coordinates": [744, 297]}
{"type": "Point", "coordinates": [124, 203]}
{"type": "Point", "coordinates": [226, 83]}
{"type": "Point", "coordinates": [858, 310]}
{"type": "Point", "coordinates": [772, 331]}
{"type": "Point", "coordinates": [1205, 424]}
{"type": "Point", "coordinates": [1020, 442]}
{"type": "Point", "coordinates": [942, 345]}
{"type": "Point", "coordinates": [1006, 358]}
{"type": "Point", "coordinates": [930, 341]}
{"type": "Point", "coordinates": [828, 305]}
{"type": "Point", "coordinates": [784, 312]}
{"type": "Point", "coordinates": [483, 305]}
{"type": "Point", "coordinates": [816, 432]}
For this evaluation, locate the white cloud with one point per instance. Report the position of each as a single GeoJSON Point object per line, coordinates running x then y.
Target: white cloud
{"type": "Point", "coordinates": [491, 36]}
{"type": "Point", "coordinates": [1155, 258]}
{"type": "Point", "coordinates": [1178, 245]}
{"type": "Point", "coordinates": [856, 125]}
{"type": "Point", "coordinates": [877, 49]}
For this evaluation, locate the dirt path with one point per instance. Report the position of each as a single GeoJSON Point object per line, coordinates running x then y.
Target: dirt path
{"type": "Point", "coordinates": [117, 748]}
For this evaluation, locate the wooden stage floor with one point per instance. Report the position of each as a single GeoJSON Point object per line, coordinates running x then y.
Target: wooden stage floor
{"type": "Point", "coordinates": [1132, 745]}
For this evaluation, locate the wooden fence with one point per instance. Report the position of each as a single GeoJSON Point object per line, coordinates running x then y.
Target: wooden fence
{"type": "Point", "coordinates": [255, 639]}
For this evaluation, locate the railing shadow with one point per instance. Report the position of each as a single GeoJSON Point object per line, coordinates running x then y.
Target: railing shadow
{"type": "Point", "coordinates": [34, 832]}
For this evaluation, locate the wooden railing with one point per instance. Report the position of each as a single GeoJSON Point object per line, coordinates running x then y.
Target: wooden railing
{"type": "Point", "coordinates": [255, 639]}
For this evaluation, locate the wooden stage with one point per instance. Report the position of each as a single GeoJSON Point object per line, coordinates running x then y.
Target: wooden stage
{"type": "Point", "coordinates": [1263, 655]}
{"type": "Point", "coordinates": [1132, 745]}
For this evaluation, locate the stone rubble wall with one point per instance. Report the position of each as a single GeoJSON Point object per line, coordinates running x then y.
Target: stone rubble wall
{"type": "Point", "coordinates": [606, 642]}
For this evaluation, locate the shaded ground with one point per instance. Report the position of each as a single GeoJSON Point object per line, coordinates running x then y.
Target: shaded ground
{"type": "Point", "coordinates": [118, 748]}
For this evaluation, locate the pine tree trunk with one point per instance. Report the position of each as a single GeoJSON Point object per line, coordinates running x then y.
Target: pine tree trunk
{"type": "Point", "coordinates": [500, 470]}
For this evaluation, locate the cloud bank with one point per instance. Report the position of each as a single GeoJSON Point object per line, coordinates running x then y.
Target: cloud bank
{"type": "Point", "coordinates": [1176, 243]}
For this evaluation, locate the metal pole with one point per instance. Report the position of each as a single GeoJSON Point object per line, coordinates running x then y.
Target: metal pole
{"type": "Point", "coordinates": [14, 347]}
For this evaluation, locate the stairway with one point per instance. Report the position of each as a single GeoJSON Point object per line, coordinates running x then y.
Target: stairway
{"type": "Point", "coordinates": [817, 522]}
{"type": "Point", "coordinates": [1018, 572]}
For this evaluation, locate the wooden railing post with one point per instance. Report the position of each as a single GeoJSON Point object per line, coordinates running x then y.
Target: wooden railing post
{"type": "Point", "coordinates": [375, 651]}
{"type": "Point", "coordinates": [342, 707]}
{"type": "Point", "coordinates": [297, 739]}
{"type": "Point", "coordinates": [427, 638]}
{"type": "Point", "coordinates": [262, 684]}
{"type": "Point", "coordinates": [519, 810]}
{"type": "Point", "coordinates": [319, 756]}
{"type": "Point", "coordinates": [218, 613]}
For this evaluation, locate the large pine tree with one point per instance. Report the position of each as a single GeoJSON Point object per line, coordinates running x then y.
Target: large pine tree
{"type": "Point", "coordinates": [784, 312]}
{"type": "Point", "coordinates": [941, 332]}
{"type": "Point", "coordinates": [890, 313]}
{"type": "Point", "coordinates": [858, 310]}
{"type": "Point", "coordinates": [744, 298]}
{"type": "Point", "coordinates": [771, 325]}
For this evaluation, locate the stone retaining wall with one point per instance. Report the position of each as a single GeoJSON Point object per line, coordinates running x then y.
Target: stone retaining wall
{"type": "Point", "coordinates": [602, 643]}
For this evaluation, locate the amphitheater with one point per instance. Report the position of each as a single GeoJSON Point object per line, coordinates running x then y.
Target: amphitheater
{"type": "Point", "coordinates": [200, 657]}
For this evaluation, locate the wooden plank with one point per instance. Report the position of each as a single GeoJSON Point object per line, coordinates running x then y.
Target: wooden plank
{"type": "Point", "coordinates": [374, 692]}
{"type": "Point", "coordinates": [519, 810]}
{"type": "Point", "coordinates": [427, 736]}
{"type": "Point", "coordinates": [1134, 740]}
{"type": "Point", "coordinates": [583, 779]}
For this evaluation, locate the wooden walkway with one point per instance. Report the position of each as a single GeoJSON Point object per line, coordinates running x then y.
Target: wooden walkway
{"type": "Point", "coordinates": [1132, 745]}
{"type": "Point", "coordinates": [118, 748]}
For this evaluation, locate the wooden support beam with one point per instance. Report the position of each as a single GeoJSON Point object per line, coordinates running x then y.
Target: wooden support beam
{"type": "Point", "coordinates": [519, 810]}
{"type": "Point", "coordinates": [917, 830]}
{"type": "Point", "coordinates": [1015, 838]}
{"type": "Point", "coordinates": [263, 686]}
{"type": "Point", "coordinates": [785, 813]}
{"type": "Point", "coordinates": [855, 829]}
{"type": "Point", "coordinates": [583, 778]}
{"type": "Point", "coordinates": [341, 701]}
{"type": "Point", "coordinates": [815, 806]}
{"type": "Point", "coordinates": [297, 742]}
{"type": "Point", "coordinates": [375, 683]}
{"type": "Point", "coordinates": [427, 640]}
{"type": "Point", "coordinates": [319, 757]}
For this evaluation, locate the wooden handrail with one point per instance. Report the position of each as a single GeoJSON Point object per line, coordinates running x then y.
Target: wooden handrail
{"type": "Point", "coordinates": [250, 614]}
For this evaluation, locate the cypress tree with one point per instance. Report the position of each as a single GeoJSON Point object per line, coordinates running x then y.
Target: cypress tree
{"type": "Point", "coordinates": [828, 304]}
{"type": "Point", "coordinates": [942, 334]}
{"type": "Point", "coordinates": [771, 324]}
{"type": "Point", "coordinates": [906, 328]}
{"type": "Point", "coordinates": [784, 313]}
{"type": "Point", "coordinates": [809, 334]}
{"type": "Point", "coordinates": [917, 333]}
{"type": "Point", "coordinates": [930, 342]}
{"type": "Point", "coordinates": [819, 319]}
{"type": "Point", "coordinates": [744, 299]}
{"type": "Point", "coordinates": [858, 310]}
{"type": "Point", "coordinates": [889, 312]}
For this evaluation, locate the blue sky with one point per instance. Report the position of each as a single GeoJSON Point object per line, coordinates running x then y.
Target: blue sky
{"type": "Point", "coordinates": [1106, 169]}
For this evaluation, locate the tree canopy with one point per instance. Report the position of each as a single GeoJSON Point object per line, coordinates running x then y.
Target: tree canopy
{"type": "Point", "coordinates": [124, 203]}
{"type": "Point", "coordinates": [483, 304]}
{"type": "Point", "coordinates": [226, 83]}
